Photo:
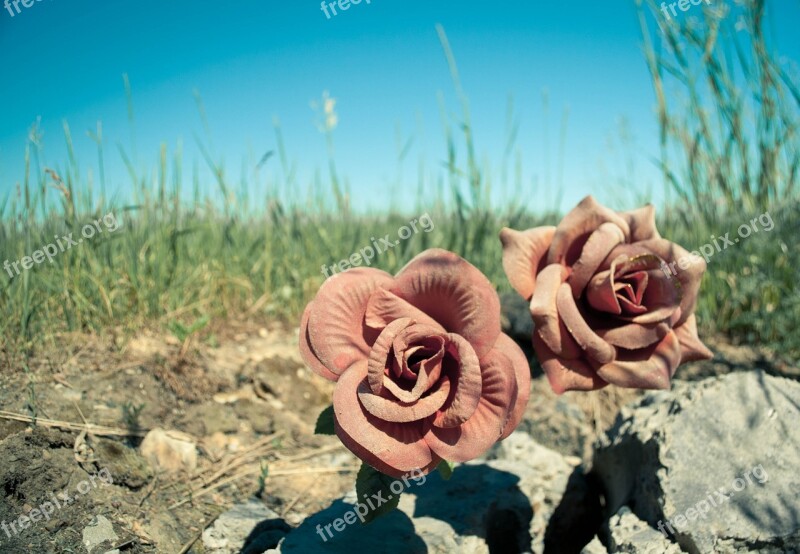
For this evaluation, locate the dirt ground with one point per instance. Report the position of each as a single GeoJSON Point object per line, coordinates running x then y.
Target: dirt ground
{"type": "Point", "coordinates": [243, 396]}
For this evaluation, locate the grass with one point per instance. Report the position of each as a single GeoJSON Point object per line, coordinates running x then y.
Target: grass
{"type": "Point", "coordinates": [730, 151]}
{"type": "Point", "coordinates": [178, 261]}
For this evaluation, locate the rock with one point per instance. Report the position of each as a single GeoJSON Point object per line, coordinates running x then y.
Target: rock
{"type": "Point", "coordinates": [99, 531]}
{"type": "Point", "coordinates": [628, 533]}
{"type": "Point", "coordinates": [248, 528]}
{"type": "Point", "coordinates": [502, 503]}
{"type": "Point", "coordinates": [594, 547]}
{"type": "Point", "coordinates": [516, 316]}
{"type": "Point", "coordinates": [380, 537]}
{"type": "Point", "coordinates": [545, 481]}
{"type": "Point", "coordinates": [169, 451]}
{"type": "Point", "coordinates": [713, 462]}
{"type": "Point", "coordinates": [557, 422]}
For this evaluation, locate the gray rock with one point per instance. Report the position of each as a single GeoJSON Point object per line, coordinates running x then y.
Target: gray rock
{"type": "Point", "coordinates": [594, 547]}
{"type": "Point", "coordinates": [99, 531]}
{"type": "Point", "coordinates": [715, 463]}
{"type": "Point", "coordinates": [379, 537]}
{"type": "Point", "coordinates": [503, 503]}
{"type": "Point", "coordinates": [544, 479]}
{"type": "Point", "coordinates": [248, 528]}
{"type": "Point", "coordinates": [559, 424]}
{"type": "Point", "coordinates": [628, 533]}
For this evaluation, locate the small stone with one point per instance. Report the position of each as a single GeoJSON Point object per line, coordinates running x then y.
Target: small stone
{"type": "Point", "coordinates": [169, 451]}
{"type": "Point", "coordinates": [247, 528]}
{"type": "Point", "coordinates": [97, 532]}
{"type": "Point", "coordinates": [631, 534]}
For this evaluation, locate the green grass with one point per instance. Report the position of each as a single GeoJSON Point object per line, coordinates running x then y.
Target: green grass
{"type": "Point", "coordinates": [730, 150]}
{"type": "Point", "coordinates": [176, 261]}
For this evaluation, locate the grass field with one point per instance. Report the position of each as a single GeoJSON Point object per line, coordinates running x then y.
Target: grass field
{"type": "Point", "coordinates": [729, 153]}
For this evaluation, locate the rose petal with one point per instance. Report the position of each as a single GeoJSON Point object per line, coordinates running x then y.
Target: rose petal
{"type": "Point", "coordinates": [602, 293]}
{"type": "Point", "coordinates": [453, 292]}
{"type": "Point", "coordinates": [388, 408]}
{"type": "Point", "coordinates": [522, 253]}
{"type": "Point", "coordinates": [522, 374]}
{"type": "Point", "coordinates": [594, 252]}
{"type": "Point", "coordinates": [545, 312]}
{"type": "Point", "coordinates": [647, 368]}
{"type": "Point", "coordinates": [391, 448]}
{"type": "Point", "coordinates": [421, 384]}
{"type": "Point", "coordinates": [584, 218]}
{"type": "Point", "coordinates": [307, 352]}
{"type": "Point", "coordinates": [659, 292]}
{"type": "Point", "coordinates": [637, 282]}
{"type": "Point", "coordinates": [384, 307]}
{"type": "Point", "coordinates": [400, 364]}
{"type": "Point", "coordinates": [662, 297]}
{"type": "Point", "coordinates": [689, 278]}
{"type": "Point", "coordinates": [432, 366]}
{"type": "Point", "coordinates": [466, 390]}
{"type": "Point", "coordinates": [336, 329]}
{"type": "Point", "coordinates": [634, 335]}
{"type": "Point", "coordinates": [428, 372]}
{"type": "Point", "coordinates": [485, 427]}
{"type": "Point", "coordinates": [563, 374]}
{"type": "Point", "coordinates": [421, 335]}
{"type": "Point", "coordinates": [692, 348]}
{"type": "Point", "coordinates": [642, 222]}
{"type": "Point", "coordinates": [651, 295]}
{"type": "Point", "coordinates": [630, 290]}
{"type": "Point", "coordinates": [379, 354]}
{"type": "Point", "coordinates": [594, 346]}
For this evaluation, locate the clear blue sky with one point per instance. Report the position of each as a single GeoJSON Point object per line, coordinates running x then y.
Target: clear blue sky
{"type": "Point", "coordinates": [252, 60]}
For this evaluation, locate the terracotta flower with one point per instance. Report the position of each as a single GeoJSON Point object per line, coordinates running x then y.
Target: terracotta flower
{"type": "Point", "coordinates": [423, 372]}
{"type": "Point", "coordinates": [609, 302]}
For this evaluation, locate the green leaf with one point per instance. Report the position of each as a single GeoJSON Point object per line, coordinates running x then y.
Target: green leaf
{"type": "Point", "coordinates": [325, 422]}
{"type": "Point", "coordinates": [182, 332]}
{"type": "Point", "coordinates": [199, 324]}
{"type": "Point", "coordinates": [373, 487]}
{"type": "Point", "coordinates": [178, 329]}
{"type": "Point", "coordinates": [446, 469]}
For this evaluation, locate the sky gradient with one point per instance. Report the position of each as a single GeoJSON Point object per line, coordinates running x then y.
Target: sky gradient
{"type": "Point", "coordinates": [252, 61]}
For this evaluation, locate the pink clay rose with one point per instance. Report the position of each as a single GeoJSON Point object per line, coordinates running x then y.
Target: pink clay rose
{"type": "Point", "coordinates": [607, 306]}
{"type": "Point", "coordinates": [422, 370]}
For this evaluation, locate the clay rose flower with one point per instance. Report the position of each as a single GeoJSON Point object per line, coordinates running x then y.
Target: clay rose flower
{"type": "Point", "coordinates": [423, 372]}
{"type": "Point", "coordinates": [609, 302]}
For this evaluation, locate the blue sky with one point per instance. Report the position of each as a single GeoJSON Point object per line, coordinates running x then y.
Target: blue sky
{"type": "Point", "coordinates": [254, 60]}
